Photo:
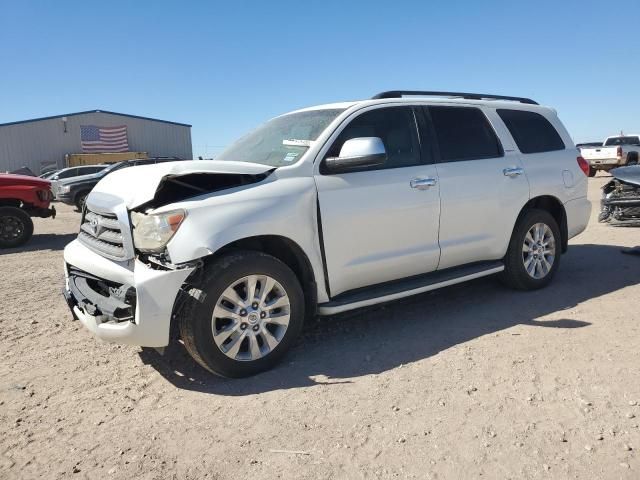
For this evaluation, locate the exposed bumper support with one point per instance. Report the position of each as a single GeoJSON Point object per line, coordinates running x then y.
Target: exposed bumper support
{"type": "Point", "coordinates": [105, 313]}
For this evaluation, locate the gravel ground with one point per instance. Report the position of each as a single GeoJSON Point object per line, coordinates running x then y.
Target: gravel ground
{"type": "Point", "coordinates": [467, 382]}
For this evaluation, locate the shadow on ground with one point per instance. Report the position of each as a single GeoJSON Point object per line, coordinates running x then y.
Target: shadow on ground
{"type": "Point", "coordinates": [43, 241]}
{"type": "Point", "coordinates": [376, 340]}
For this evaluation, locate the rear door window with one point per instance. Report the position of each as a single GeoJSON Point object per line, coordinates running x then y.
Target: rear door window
{"type": "Point", "coordinates": [531, 131]}
{"type": "Point", "coordinates": [464, 133]}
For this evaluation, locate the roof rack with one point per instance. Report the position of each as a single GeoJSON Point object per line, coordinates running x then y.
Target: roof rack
{"type": "Point", "coordinates": [469, 96]}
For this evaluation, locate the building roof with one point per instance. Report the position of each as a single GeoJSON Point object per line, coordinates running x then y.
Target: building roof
{"type": "Point", "coordinates": [94, 111]}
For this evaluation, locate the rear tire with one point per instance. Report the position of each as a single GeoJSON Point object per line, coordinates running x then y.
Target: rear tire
{"type": "Point", "coordinates": [16, 227]}
{"type": "Point", "coordinates": [632, 158]}
{"type": "Point", "coordinates": [592, 172]}
{"type": "Point", "coordinates": [235, 333]}
{"type": "Point", "coordinates": [534, 251]}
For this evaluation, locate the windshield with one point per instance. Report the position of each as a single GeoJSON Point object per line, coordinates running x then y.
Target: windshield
{"type": "Point", "coordinates": [622, 141]}
{"type": "Point", "coordinates": [281, 141]}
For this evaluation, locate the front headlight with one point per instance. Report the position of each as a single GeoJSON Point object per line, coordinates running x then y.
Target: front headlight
{"type": "Point", "coordinates": [64, 189]}
{"type": "Point", "coordinates": [151, 233]}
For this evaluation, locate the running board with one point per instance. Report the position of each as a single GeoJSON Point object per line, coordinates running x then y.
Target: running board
{"type": "Point", "coordinates": [386, 292]}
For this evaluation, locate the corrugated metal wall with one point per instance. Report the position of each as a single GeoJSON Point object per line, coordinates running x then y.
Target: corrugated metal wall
{"type": "Point", "coordinates": [41, 142]}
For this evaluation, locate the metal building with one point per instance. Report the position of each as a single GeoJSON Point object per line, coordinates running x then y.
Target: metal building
{"type": "Point", "coordinates": [42, 142]}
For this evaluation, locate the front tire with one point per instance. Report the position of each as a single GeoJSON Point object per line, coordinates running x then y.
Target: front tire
{"type": "Point", "coordinates": [16, 227]}
{"type": "Point", "coordinates": [534, 251]}
{"type": "Point", "coordinates": [245, 315]}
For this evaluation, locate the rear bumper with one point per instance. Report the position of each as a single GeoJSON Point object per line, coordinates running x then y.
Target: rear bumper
{"type": "Point", "coordinates": [578, 212]}
{"type": "Point", "coordinates": [121, 302]}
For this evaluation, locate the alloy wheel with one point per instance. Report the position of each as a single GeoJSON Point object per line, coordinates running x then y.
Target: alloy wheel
{"type": "Point", "coordinates": [539, 250]}
{"type": "Point", "coordinates": [251, 317]}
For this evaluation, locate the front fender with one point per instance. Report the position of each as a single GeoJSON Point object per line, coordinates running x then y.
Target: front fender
{"type": "Point", "coordinates": [284, 207]}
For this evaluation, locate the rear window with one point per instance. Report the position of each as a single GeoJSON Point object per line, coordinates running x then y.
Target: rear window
{"type": "Point", "coordinates": [615, 141]}
{"type": "Point", "coordinates": [464, 133]}
{"type": "Point", "coordinates": [531, 131]}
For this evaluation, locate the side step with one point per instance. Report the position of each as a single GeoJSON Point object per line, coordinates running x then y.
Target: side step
{"type": "Point", "coordinates": [386, 292]}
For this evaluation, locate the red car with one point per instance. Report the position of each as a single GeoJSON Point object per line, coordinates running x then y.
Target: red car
{"type": "Point", "coordinates": [22, 197]}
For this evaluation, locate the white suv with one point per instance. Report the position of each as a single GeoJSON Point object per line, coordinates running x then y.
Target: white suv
{"type": "Point", "coordinates": [324, 210]}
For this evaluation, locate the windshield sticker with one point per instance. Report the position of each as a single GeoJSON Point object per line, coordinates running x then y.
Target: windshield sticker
{"type": "Point", "coordinates": [290, 157]}
{"type": "Point", "coordinates": [294, 142]}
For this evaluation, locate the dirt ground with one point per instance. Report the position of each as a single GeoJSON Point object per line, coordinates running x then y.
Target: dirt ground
{"type": "Point", "coordinates": [473, 381]}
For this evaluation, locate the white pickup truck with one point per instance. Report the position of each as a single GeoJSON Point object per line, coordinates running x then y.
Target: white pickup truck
{"type": "Point", "coordinates": [325, 210]}
{"type": "Point", "coordinates": [614, 152]}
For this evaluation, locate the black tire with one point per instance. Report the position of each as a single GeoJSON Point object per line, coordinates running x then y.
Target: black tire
{"type": "Point", "coordinates": [515, 274]}
{"type": "Point", "coordinates": [592, 172]}
{"type": "Point", "coordinates": [195, 316]}
{"type": "Point", "coordinates": [16, 227]}
{"type": "Point", "coordinates": [80, 199]}
{"type": "Point", "coordinates": [632, 158]}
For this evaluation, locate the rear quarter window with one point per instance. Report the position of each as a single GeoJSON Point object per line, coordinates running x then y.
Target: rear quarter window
{"type": "Point", "coordinates": [532, 132]}
{"type": "Point", "coordinates": [464, 133]}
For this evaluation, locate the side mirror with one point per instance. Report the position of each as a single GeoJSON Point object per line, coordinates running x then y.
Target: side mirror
{"type": "Point", "coordinates": [357, 153]}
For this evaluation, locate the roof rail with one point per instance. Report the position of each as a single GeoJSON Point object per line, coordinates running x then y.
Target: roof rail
{"type": "Point", "coordinates": [469, 96]}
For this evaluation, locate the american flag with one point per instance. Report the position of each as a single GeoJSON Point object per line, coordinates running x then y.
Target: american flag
{"type": "Point", "coordinates": [104, 139]}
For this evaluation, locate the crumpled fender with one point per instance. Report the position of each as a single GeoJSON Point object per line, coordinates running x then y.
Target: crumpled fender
{"type": "Point", "coordinates": [284, 207]}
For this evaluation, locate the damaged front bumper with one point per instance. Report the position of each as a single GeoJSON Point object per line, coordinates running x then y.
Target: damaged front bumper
{"type": "Point", "coordinates": [122, 302]}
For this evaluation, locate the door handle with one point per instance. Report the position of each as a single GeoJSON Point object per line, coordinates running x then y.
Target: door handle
{"type": "Point", "coordinates": [423, 183]}
{"type": "Point", "coordinates": [512, 171]}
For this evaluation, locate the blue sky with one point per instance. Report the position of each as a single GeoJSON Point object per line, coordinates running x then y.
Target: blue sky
{"type": "Point", "coordinates": [227, 66]}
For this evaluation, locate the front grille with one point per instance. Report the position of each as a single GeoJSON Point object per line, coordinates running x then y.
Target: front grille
{"type": "Point", "coordinates": [103, 233]}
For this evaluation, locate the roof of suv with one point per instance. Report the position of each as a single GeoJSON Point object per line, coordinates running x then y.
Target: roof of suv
{"type": "Point", "coordinates": [505, 102]}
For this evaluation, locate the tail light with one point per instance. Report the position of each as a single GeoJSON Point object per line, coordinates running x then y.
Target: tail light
{"type": "Point", "coordinates": [619, 152]}
{"type": "Point", "coordinates": [584, 165]}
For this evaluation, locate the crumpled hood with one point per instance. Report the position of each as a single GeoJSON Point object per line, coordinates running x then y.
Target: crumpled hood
{"type": "Point", "coordinates": [629, 174]}
{"type": "Point", "coordinates": [138, 185]}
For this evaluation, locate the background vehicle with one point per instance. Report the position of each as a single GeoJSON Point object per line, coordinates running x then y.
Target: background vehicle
{"type": "Point", "coordinates": [620, 203]}
{"type": "Point", "coordinates": [615, 151]}
{"type": "Point", "coordinates": [22, 197]}
{"type": "Point", "coordinates": [325, 210]}
{"type": "Point", "coordinates": [76, 172]}
{"type": "Point", "coordinates": [72, 173]}
{"type": "Point", "coordinates": [73, 191]}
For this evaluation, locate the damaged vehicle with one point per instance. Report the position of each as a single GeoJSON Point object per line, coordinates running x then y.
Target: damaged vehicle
{"type": "Point", "coordinates": [324, 210]}
{"type": "Point", "coordinates": [620, 204]}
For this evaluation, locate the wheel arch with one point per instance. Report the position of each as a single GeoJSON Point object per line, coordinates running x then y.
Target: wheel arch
{"type": "Point", "coordinates": [289, 253]}
{"type": "Point", "coordinates": [555, 207]}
